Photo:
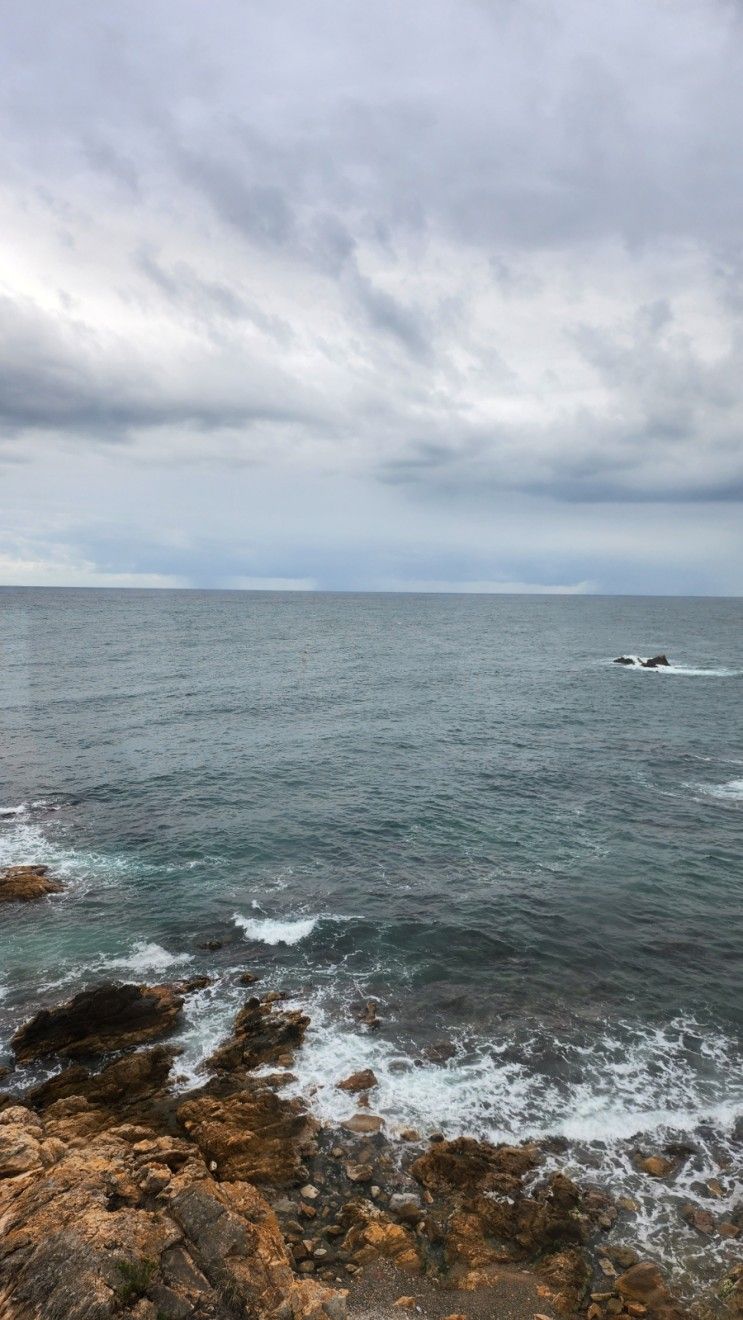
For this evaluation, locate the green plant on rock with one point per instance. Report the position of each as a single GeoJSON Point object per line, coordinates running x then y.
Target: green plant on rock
{"type": "Point", "coordinates": [136, 1276]}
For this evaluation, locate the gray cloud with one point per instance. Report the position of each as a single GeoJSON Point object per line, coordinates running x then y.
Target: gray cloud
{"type": "Point", "coordinates": [455, 251]}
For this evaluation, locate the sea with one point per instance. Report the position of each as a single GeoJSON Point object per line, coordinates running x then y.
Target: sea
{"type": "Point", "coordinates": [456, 806]}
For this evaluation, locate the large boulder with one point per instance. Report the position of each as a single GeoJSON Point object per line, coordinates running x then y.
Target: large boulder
{"type": "Point", "coordinates": [25, 884]}
{"type": "Point", "coordinates": [253, 1134]}
{"type": "Point", "coordinates": [110, 1017]}
{"type": "Point", "coordinates": [262, 1034]}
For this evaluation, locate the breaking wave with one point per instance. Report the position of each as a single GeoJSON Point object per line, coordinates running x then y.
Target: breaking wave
{"type": "Point", "coordinates": [266, 930]}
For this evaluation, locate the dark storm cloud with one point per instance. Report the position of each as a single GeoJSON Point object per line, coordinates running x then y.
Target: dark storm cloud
{"type": "Point", "coordinates": [57, 376]}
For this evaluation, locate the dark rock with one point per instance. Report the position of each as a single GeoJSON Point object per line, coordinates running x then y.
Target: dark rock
{"type": "Point", "coordinates": [261, 1035]}
{"type": "Point", "coordinates": [439, 1052]}
{"type": "Point", "coordinates": [127, 1079]}
{"type": "Point", "coordinates": [94, 1022]}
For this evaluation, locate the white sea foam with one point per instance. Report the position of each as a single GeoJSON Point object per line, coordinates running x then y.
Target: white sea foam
{"type": "Point", "coordinates": [144, 957]}
{"type": "Point", "coordinates": [639, 1082]}
{"type": "Point", "coordinates": [732, 791]}
{"type": "Point", "coordinates": [266, 930]}
{"type": "Point", "coordinates": [8, 813]}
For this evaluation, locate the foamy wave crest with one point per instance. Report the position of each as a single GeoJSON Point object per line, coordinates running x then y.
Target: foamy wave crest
{"type": "Point", "coordinates": [266, 930]}
{"type": "Point", "coordinates": [9, 813]}
{"type": "Point", "coordinates": [732, 791]}
{"type": "Point", "coordinates": [145, 957]}
{"type": "Point", "coordinates": [630, 1080]}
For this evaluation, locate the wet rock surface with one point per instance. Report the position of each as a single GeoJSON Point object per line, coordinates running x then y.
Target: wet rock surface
{"type": "Point", "coordinates": [26, 884]}
{"type": "Point", "coordinates": [99, 1021]}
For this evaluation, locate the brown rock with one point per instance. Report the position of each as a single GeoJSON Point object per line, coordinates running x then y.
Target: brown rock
{"type": "Point", "coordinates": [128, 1221]}
{"type": "Point", "coordinates": [363, 1123]}
{"type": "Point", "coordinates": [567, 1276]}
{"type": "Point", "coordinates": [658, 1166]}
{"type": "Point", "coordinates": [142, 1073]}
{"type": "Point", "coordinates": [471, 1165]}
{"type": "Point", "coordinates": [373, 1235]}
{"type": "Point", "coordinates": [254, 1134]}
{"type": "Point", "coordinates": [359, 1173]}
{"type": "Point", "coordinates": [440, 1052]}
{"type": "Point", "coordinates": [110, 1017]}
{"type": "Point", "coordinates": [644, 1283]}
{"type": "Point", "coordinates": [358, 1081]}
{"type": "Point", "coordinates": [25, 884]}
{"type": "Point", "coordinates": [701, 1220]}
{"type": "Point", "coordinates": [406, 1302]}
{"type": "Point", "coordinates": [247, 978]}
{"type": "Point", "coordinates": [261, 1035]}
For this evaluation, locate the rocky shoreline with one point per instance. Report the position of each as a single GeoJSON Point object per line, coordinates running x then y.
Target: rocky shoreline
{"type": "Point", "coordinates": [120, 1195]}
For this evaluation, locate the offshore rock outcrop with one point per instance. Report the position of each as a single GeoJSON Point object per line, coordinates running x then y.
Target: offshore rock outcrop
{"type": "Point", "coordinates": [653, 661]}
{"type": "Point", "coordinates": [26, 884]}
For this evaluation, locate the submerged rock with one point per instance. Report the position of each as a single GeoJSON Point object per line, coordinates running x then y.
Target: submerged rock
{"type": "Point", "coordinates": [110, 1017]}
{"type": "Point", "coordinates": [25, 884]}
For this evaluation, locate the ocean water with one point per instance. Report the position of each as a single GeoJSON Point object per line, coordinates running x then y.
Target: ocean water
{"type": "Point", "coordinates": [456, 805]}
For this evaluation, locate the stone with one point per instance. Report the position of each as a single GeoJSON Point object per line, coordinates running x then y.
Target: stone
{"type": "Point", "coordinates": [658, 1166]}
{"type": "Point", "coordinates": [701, 1220]}
{"type": "Point", "coordinates": [253, 1134]}
{"type": "Point", "coordinates": [261, 1035]}
{"type": "Point", "coordinates": [407, 1303]}
{"type": "Point", "coordinates": [439, 1052]}
{"type": "Point", "coordinates": [107, 1018]}
{"type": "Point", "coordinates": [409, 1134]}
{"type": "Point", "coordinates": [121, 1082]}
{"type": "Point", "coordinates": [406, 1207]}
{"type": "Point", "coordinates": [644, 1283]}
{"type": "Point", "coordinates": [247, 978]}
{"type": "Point", "coordinates": [359, 1173]}
{"type": "Point", "coordinates": [363, 1123]}
{"type": "Point", "coordinates": [26, 884]}
{"type": "Point", "coordinates": [358, 1081]}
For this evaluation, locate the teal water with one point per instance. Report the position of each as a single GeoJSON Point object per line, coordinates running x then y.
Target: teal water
{"type": "Point", "coordinates": [455, 804]}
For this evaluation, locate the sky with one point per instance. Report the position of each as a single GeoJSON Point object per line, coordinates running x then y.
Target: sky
{"type": "Point", "coordinates": [412, 295]}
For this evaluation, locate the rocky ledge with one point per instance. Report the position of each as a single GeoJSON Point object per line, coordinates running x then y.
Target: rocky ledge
{"type": "Point", "coordinates": [25, 884]}
{"type": "Point", "coordinates": [118, 1197]}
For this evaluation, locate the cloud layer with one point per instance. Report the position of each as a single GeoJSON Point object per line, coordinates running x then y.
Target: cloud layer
{"type": "Point", "coordinates": [342, 295]}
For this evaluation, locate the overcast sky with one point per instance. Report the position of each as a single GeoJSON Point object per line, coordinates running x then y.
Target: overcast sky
{"type": "Point", "coordinates": [431, 294]}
